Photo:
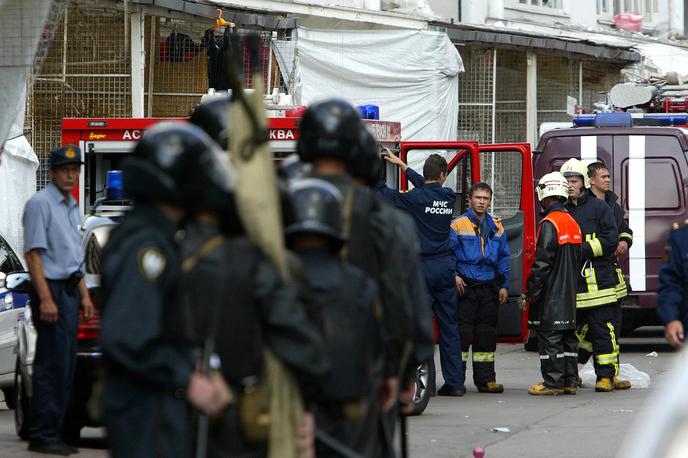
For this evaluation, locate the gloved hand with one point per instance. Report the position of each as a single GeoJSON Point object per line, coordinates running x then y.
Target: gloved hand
{"type": "Point", "coordinates": [523, 302]}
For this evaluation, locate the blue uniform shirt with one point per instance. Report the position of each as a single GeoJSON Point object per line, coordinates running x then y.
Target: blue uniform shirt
{"type": "Point", "coordinates": [431, 206]}
{"type": "Point", "coordinates": [51, 227]}
{"type": "Point", "coordinates": [672, 295]}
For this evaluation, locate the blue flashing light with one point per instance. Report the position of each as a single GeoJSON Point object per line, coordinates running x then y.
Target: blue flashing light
{"type": "Point", "coordinates": [369, 111]}
{"type": "Point", "coordinates": [614, 119]}
{"type": "Point", "coordinates": [666, 119]}
{"type": "Point", "coordinates": [114, 185]}
{"type": "Point", "coordinates": [584, 121]}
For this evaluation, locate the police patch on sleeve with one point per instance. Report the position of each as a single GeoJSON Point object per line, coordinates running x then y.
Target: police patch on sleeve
{"type": "Point", "coordinates": [152, 264]}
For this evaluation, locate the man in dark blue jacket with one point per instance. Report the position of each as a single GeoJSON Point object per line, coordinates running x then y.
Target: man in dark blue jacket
{"type": "Point", "coordinates": [672, 297]}
{"type": "Point", "coordinates": [431, 205]}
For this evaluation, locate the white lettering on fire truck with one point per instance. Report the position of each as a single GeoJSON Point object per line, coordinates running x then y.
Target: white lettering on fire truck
{"type": "Point", "coordinates": [132, 135]}
{"type": "Point", "coordinates": [439, 207]}
{"type": "Point", "coordinates": [281, 134]}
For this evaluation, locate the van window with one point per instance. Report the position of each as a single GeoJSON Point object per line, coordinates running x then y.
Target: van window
{"type": "Point", "coordinates": [502, 171]}
{"type": "Point", "coordinates": [663, 184]}
{"type": "Point", "coordinates": [8, 261]}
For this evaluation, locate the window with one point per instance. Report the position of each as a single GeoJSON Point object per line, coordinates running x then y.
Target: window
{"type": "Point", "coordinates": [665, 192]}
{"type": "Point", "coordinates": [502, 170]}
{"type": "Point", "coordinates": [8, 260]}
{"type": "Point", "coordinates": [555, 4]}
{"type": "Point", "coordinates": [648, 8]}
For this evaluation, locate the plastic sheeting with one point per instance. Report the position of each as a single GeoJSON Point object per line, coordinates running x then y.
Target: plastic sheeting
{"type": "Point", "coordinates": [18, 164]}
{"type": "Point", "coordinates": [21, 27]}
{"type": "Point", "coordinates": [413, 76]}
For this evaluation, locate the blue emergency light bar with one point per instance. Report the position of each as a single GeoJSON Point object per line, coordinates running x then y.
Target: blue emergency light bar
{"type": "Point", "coordinates": [624, 119]}
{"type": "Point", "coordinates": [114, 185]}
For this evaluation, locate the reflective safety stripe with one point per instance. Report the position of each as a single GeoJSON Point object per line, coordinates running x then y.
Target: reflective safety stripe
{"type": "Point", "coordinates": [621, 287]}
{"type": "Point", "coordinates": [596, 246]}
{"type": "Point", "coordinates": [560, 355]}
{"type": "Point", "coordinates": [626, 235]}
{"type": "Point", "coordinates": [483, 357]}
{"type": "Point", "coordinates": [595, 302]}
{"type": "Point", "coordinates": [464, 356]}
{"type": "Point", "coordinates": [568, 354]}
{"type": "Point", "coordinates": [544, 356]}
{"type": "Point", "coordinates": [596, 294]}
{"type": "Point", "coordinates": [607, 358]}
{"type": "Point", "coordinates": [615, 345]}
{"type": "Point", "coordinates": [582, 343]}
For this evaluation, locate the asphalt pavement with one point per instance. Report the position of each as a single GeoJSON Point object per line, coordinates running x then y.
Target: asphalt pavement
{"type": "Point", "coordinates": [589, 424]}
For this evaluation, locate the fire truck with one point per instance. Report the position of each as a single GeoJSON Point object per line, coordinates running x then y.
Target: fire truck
{"type": "Point", "coordinates": [106, 142]}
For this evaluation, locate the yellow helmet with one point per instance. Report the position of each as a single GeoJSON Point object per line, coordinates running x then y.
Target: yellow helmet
{"type": "Point", "coordinates": [553, 185]}
{"type": "Point", "coordinates": [576, 167]}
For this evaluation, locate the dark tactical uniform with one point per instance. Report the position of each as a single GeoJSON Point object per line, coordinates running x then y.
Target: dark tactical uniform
{"type": "Point", "coordinates": [672, 296]}
{"type": "Point", "coordinates": [149, 362]}
{"type": "Point", "coordinates": [349, 410]}
{"type": "Point", "coordinates": [596, 297]}
{"type": "Point", "coordinates": [551, 292]}
{"type": "Point", "coordinates": [232, 288]}
{"type": "Point", "coordinates": [431, 207]}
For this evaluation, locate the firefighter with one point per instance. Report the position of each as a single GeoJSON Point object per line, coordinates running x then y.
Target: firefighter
{"type": "Point", "coordinates": [348, 410]}
{"type": "Point", "coordinates": [151, 377]}
{"type": "Point", "coordinates": [672, 296]}
{"type": "Point", "coordinates": [431, 206]}
{"type": "Point", "coordinates": [600, 183]}
{"type": "Point", "coordinates": [241, 305]}
{"type": "Point", "coordinates": [551, 289]}
{"type": "Point", "coordinates": [329, 139]}
{"type": "Point", "coordinates": [482, 280]}
{"type": "Point", "coordinates": [596, 296]}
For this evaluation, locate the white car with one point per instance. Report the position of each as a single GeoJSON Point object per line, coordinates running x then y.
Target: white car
{"type": "Point", "coordinates": [12, 306]}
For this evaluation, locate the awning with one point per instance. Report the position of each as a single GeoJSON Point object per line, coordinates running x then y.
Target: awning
{"type": "Point", "coordinates": [518, 39]}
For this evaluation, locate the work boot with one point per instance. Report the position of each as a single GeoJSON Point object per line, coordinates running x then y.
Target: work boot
{"type": "Point", "coordinates": [570, 389]}
{"type": "Point", "coordinates": [48, 448]}
{"type": "Point", "coordinates": [446, 391]}
{"type": "Point", "coordinates": [621, 384]}
{"type": "Point", "coordinates": [490, 387]}
{"type": "Point", "coordinates": [541, 390]}
{"type": "Point", "coordinates": [604, 385]}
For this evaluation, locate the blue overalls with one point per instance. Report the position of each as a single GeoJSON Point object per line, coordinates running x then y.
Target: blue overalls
{"type": "Point", "coordinates": [431, 207]}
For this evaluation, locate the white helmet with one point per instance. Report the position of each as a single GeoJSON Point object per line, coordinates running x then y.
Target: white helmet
{"type": "Point", "coordinates": [576, 167]}
{"type": "Point", "coordinates": [553, 185]}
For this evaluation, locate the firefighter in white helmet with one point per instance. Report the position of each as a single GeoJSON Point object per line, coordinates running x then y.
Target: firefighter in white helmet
{"type": "Point", "coordinates": [551, 289]}
{"type": "Point", "coordinates": [596, 298]}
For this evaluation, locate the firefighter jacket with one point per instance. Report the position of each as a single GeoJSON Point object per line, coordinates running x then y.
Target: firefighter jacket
{"type": "Point", "coordinates": [481, 249]}
{"type": "Point", "coordinates": [552, 284]}
{"type": "Point", "coordinates": [597, 279]}
{"type": "Point", "coordinates": [625, 234]}
{"type": "Point", "coordinates": [672, 295]}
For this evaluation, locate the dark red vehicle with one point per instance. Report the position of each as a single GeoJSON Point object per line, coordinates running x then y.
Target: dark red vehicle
{"type": "Point", "coordinates": [649, 174]}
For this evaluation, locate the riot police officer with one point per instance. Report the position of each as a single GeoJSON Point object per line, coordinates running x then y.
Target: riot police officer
{"type": "Point", "coordinates": [329, 139]}
{"type": "Point", "coordinates": [235, 299]}
{"type": "Point", "coordinates": [348, 410]}
{"type": "Point", "coordinates": [149, 361]}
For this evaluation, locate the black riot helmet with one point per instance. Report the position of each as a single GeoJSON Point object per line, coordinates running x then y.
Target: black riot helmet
{"type": "Point", "coordinates": [329, 129]}
{"type": "Point", "coordinates": [292, 168]}
{"type": "Point", "coordinates": [165, 163]}
{"type": "Point", "coordinates": [316, 207]}
{"type": "Point", "coordinates": [212, 116]}
{"type": "Point", "coordinates": [367, 164]}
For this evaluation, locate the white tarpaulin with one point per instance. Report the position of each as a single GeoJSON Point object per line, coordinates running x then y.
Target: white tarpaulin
{"type": "Point", "coordinates": [21, 27]}
{"type": "Point", "coordinates": [18, 164]}
{"type": "Point", "coordinates": [413, 76]}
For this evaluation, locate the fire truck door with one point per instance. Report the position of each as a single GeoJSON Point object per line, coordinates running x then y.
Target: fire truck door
{"type": "Point", "coordinates": [507, 169]}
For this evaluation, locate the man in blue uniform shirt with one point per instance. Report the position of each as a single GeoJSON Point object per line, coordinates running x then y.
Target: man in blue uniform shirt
{"type": "Point", "coordinates": [672, 296]}
{"type": "Point", "coordinates": [54, 255]}
{"type": "Point", "coordinates": [431, 205]}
